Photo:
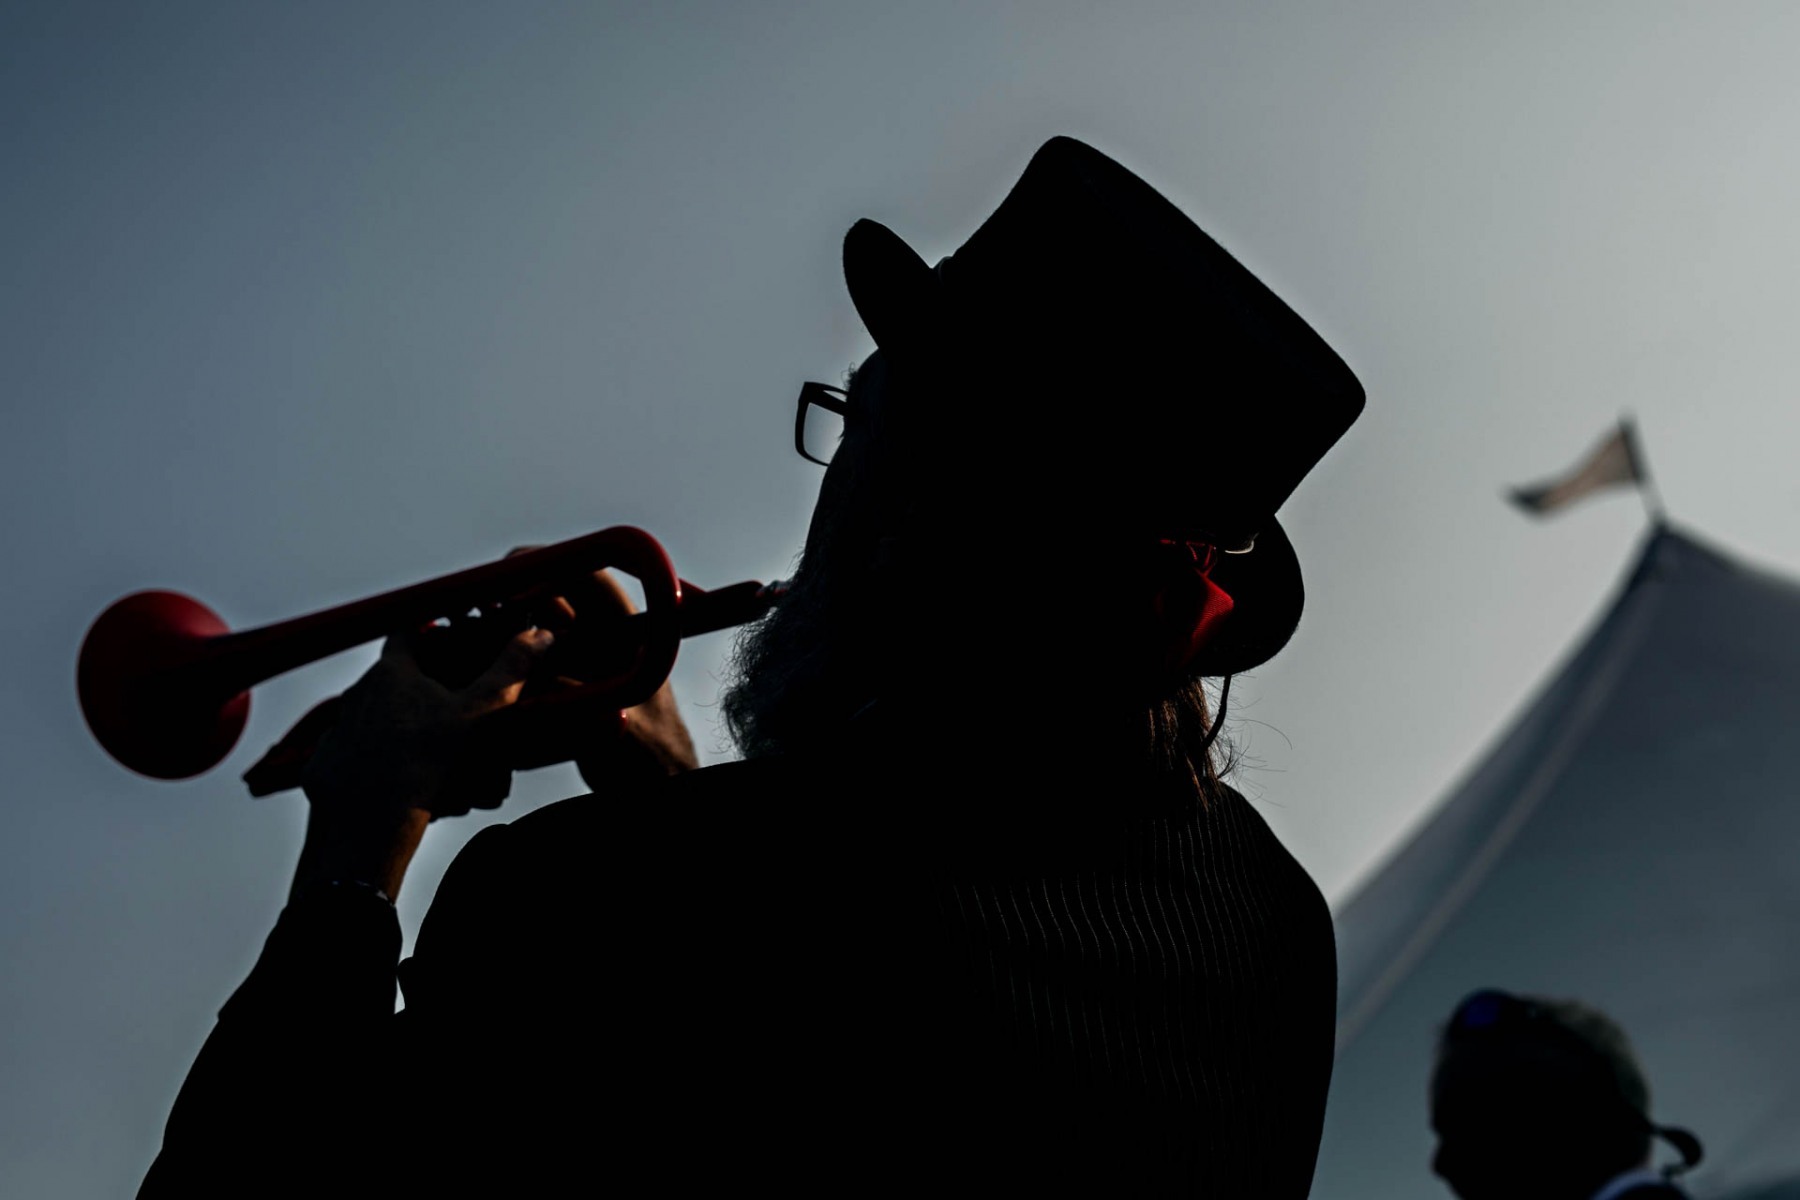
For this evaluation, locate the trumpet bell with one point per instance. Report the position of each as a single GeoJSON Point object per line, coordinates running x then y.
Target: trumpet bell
{"type": "Point", "coordinates": [130, 680]}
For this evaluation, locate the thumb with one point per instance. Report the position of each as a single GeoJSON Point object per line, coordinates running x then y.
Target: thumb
{"type": "Point", "coordinates": [500, 684]}
{"type": "Point", "coordinates": [400, 652]}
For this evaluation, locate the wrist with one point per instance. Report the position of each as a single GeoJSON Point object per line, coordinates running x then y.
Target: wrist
{"type": "Point", "coordinates": [359, 848]}
{"type": "Point", "coordinates": [351, 891]}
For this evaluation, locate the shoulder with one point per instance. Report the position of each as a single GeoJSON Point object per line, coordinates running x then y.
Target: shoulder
{"type": "Point", "coordinates": [585, 837]}
{"type": "Point", "coordinates": [1232, 827]}
{"type": "Point", "coordinates": [1236, 854]}
{"type": "Point", "coordinates": [669, 802]}
{"type": "Point", "coordinates": [515, 889]}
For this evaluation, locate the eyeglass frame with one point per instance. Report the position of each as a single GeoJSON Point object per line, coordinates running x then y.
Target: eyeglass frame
{"type": "Point", "coordinates": [831, 399]}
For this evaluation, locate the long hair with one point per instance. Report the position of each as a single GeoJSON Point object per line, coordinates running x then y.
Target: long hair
{"type": "Point", "coordinates": [831, 647]}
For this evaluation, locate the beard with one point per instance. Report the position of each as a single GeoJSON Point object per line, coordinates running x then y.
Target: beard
{"type": "Point", "coordinates": [789, 679]}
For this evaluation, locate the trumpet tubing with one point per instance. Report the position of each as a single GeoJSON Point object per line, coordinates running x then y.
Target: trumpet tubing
{"type": "Point", "coordinates": [164, 683]}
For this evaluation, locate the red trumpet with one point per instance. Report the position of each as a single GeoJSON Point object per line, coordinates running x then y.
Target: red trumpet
{"type": "Point", "coordinates": [165, 685]}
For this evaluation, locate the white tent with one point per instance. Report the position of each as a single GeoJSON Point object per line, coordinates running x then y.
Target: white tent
{"type": "Point", "coordinates": [1632, 841]}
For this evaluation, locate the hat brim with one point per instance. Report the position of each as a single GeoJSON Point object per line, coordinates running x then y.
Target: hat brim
{"type": "Point", "coordinates": [1267, 596]}
{"type": "Point", "coordinates": [895, 292]}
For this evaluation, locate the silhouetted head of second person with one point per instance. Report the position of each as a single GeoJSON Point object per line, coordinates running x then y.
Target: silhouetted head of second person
{"type": "Point", "coordinates": [1536, 1097]}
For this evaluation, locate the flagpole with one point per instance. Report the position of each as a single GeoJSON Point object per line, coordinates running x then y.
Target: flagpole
{"type": "Point", "coordinates": [1640, 467]}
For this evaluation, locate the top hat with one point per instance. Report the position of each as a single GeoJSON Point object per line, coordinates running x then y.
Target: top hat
{"type": "Point", "coordinates": [1180, 396]}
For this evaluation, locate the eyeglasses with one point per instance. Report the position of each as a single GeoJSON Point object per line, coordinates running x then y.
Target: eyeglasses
{"type": "Point", "coordinates": [819, 423]}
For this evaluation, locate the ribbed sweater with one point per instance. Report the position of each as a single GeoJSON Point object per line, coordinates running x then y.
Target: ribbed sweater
{"type": "Point", "coordinates": [812, 977]}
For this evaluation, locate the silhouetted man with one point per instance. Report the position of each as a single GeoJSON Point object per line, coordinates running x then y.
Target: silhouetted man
{"type": "Point", "coordinates": [1545, 1099]}
{"type": "Point", "coordinates": [975, 913]}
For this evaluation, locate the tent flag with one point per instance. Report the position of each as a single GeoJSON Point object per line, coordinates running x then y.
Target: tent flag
{"type": "Point", "coordinates": [1617, 459]}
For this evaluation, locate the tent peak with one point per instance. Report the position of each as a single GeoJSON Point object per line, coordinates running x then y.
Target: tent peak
{"type": "Point", "coordinates": [1667, 548]}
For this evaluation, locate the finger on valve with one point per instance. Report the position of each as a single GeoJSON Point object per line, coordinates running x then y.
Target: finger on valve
{"type": "Point", "coordinates": [611, 750]}
{"type": "Point", "coordinates": [501, 683]}
{"type": "Point", "coordinates": [584, 613]}
{"type": "Point", "coordinates": [483, 775]}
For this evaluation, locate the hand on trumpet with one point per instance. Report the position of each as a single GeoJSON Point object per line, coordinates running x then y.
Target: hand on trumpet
{"type": "Point", "coordinates": [399, 754]}
{"type": "Point", "coordinates": [650, 740]}
{"type": "Point", "coordinates": [591, 644]}
{"type": "Point", "coordinates": [418, 705]}
{"type": "Point", "coordinates": [404, 745]}
{"type": "Point", "coordinates": [403, 739]}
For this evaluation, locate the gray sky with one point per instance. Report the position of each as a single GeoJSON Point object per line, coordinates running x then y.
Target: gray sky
{"type": "Point", "coordinates": [303, 302]}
